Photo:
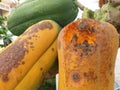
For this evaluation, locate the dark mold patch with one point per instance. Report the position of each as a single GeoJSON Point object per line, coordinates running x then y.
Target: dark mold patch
{"type": "Point", "coordinates": [87, 48]}
{"type": "Point", "coordinates": [53, 49]}
{"type": "Point", "coordinates": [90, 75]}
{"type": "Point", "coordinates": [110, 66]}
{"type": "Point", "coordinates": [42, 26]}
{"type": "Point", "coordinates": [86, 25]}
{"type": "Point", "coordinates": [10, 58]}
{"type": "Point", "coordinates": [75, 76]}
{"type": "Point", "coordinates": [74, 38]}
{"type": "Point", "coordinates": [34, 35]}
{"type": "Point", "coordinates": [37, 27]}
{"type": "Point", "coordinates": [86, 74]}
{"type": "Point", "coordinates": [83, 25]}
{"type": "Point", "coordinates": [41, 68]}
{"type": "Point", "coordinates": [111, 73]}
{"type": "Point", "coordinates": [31, 46]}
{"type": "Point", "coordinates": [23, 62]}
{"type": "Point", "coordinates": [82, 41]}
{"type": "Point", "coordinates": [5, 78]}
{"type": "Point", "coordinates": [84, 48]}
{"type": "Point", "coordinates": [46, 25]}
{"type": "Point", "coordinates": [31, 43]}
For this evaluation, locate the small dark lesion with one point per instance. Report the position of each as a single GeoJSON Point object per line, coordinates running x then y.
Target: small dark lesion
{"type": "Point", "coordinates": [86, 74]}
{"type": "Point", "coordinates": [29, 37]}
{"type": "Point", "coordinates": [74, 39]}
{"type": "Point", "coordinates": [59, 44]}
{"type": "Point", "coordinates": [87, 48]}
{"type": "Point", "coordinates": [37, 27]}
{"type": "Point", "coordinates": [53, 49]}
{"type": "Point", "coordinates": [75, 76]}
{"type": "Point", "coordinates": [90, 75]}
{"type": "Point", "coordinates": [31, 43]}
{"type": "Point", "coordinates": [92, 29]}
{"type": "Point", "coordinates": [41, 69]}
{"type": "Point", "coordinates": [83, 25]}
{"type": "Point", "coordinates": [31, 46]}
{"type": "Point", "coordinates": [84, 45]}
{"type": "Point", "coordinates": [84, 48]}
{"type": "Point", "coordinates": [43, 26]}
{"type": "Point", "coordinates": [81, 54]}
{"type": "Point", "coordinates": [111, 73]}
{"type": "Point", "coordinates": [110, 66]}
{"type": "Point", "coordinates": [5, 78]}
{"type": "Point", "coordinates": [23, 62]}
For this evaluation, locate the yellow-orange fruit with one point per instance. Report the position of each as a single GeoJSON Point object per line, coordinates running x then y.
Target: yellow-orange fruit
{"type": "Point", "coordinates": [87, 52]}
{"type": "Point", "coordinates": [18, 57]}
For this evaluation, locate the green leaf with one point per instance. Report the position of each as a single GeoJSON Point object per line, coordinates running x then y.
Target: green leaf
{"type": "Point", "coordinates": [1, 45]}
{"type": "Point", "coordinates": [49, 84]}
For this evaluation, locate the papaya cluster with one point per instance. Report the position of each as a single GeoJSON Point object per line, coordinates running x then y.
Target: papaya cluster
{"type": "Point", "coordinates": [25, 61]}
{"type": "Point", "coordinates": [37, 23]}
{"type": "Point", "coordinates": [85, 49]}
{"type": "Point", "coordinates": [33, 11]}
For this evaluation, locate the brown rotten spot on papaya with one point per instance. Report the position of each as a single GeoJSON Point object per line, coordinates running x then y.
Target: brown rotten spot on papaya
{"type": "Point", "coordinates": [75, 76]}
{"type": "Point", "coordinates": [90, 75]}
{"type": "Point", "coordinates": [39, 26]}
{"type": "Point", "coordinates": [43, 25]}
{"type": "Point", "coordinates": [82, 37]}
{"type": "Point", "coordinates": [10, 60]}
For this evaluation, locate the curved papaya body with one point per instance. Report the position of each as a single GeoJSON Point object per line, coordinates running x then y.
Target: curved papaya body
{"type": "Point", "coordinates": [87, 52]}
{"type": "Point", "coordinates": [36, 74]}
{"type": "Point", "coordinates": [19, 56]}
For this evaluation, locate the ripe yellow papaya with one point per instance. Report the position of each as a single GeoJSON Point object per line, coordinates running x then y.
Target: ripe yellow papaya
{"type": "Point", "coordinates": [87, 52]}
{"type": "Point", "coordinates": [34, 77]}
{"type": "Point", "coordinates": [18, 57]}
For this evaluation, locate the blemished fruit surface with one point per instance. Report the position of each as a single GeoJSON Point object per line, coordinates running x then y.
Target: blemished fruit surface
{"type": "Point", "coordinates": [36, 74]}
{"type": "Point", "coordinates": [19, 56]}
{"type": "Point", "coordinates": [87, 52]}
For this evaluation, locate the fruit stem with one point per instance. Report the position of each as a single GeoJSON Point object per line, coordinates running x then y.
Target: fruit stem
{"type": "Point", "coordinates": [80, 5]}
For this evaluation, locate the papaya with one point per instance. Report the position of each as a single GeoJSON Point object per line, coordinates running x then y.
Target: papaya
{"type": "Point", "coordinates": [30, 12]}
{"type": "Point", "coordinates": [18, 58]}
{"type": "Point", "coordinates": [36, 75]}
{"type": "Point", "coordinates": [87, 51]}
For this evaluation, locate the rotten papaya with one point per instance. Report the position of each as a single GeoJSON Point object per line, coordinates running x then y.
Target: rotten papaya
{"type": "Point", "coordinates": [87, 52]}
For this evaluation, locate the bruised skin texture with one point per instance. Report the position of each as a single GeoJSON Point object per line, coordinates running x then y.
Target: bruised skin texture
{"type": "Point", "coordinates": [18, 57]}
{"type": "Point", "coordinates": [87, 51]}
{"type": "Point", "coordinates": [9, 59]}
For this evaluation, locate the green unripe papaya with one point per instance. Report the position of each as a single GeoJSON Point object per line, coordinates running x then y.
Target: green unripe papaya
{"type": "Point", "coordinates": [30, 12]}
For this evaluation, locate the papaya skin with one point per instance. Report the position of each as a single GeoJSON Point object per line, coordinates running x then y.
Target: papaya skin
{"type": "Point", "coordinates": [87, 52]}
{"type": "Point", "coordinates": [37, 73]}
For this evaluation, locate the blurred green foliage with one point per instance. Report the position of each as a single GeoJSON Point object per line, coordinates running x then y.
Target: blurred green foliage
{"type": "Point", "coordinates": [49, 84]}
{"type": "Point", "coordinates": [5, 35]}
